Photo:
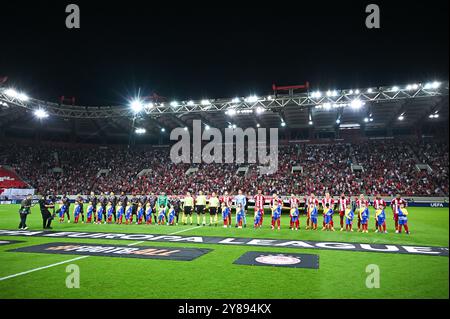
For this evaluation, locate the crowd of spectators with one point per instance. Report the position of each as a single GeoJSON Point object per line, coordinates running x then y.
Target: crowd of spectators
{"type": "Point", "coordinates": [388, 167]}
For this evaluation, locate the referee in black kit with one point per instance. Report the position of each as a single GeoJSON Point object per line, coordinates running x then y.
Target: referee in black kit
{"type": "Point", "coordinates": [47, 217]}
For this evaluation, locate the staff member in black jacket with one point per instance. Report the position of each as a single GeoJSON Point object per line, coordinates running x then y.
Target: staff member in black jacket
{"type": "Point", "coordinates": [25, 209]}
{"type": "Point", "coordinates": [46, 215]}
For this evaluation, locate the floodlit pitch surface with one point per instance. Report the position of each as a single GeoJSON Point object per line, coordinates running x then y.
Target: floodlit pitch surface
{"type": "Point", "coordinates": [341, 274]}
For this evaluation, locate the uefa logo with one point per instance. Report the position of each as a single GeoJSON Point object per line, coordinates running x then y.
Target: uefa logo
{"type": "Point", "coordinates": [278, 260]}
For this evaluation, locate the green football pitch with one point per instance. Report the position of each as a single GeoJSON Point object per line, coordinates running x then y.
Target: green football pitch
{"type": "Point", "coordinates": [341, 274]}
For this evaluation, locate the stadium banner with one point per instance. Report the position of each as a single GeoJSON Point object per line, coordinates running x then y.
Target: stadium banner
{"type": "Point", "coordinates": [169, 253]}
{"type": "Point", "coordinates": [9, 242]}
{"type": "Point", "coordinates": [257, 258]}
{"type": "Point", "coordinates": [232, 241]}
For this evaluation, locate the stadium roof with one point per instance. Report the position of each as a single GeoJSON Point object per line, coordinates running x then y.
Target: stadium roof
{"type": "Point", "coordinates": [321, 110]}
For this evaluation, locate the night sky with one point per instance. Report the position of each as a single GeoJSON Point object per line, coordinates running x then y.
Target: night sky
{"type": "Point", "coordinates": [200, 50]}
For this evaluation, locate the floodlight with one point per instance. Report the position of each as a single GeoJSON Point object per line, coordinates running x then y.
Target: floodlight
{"type": "Point", "coordinates": [357, 103]}
{"type": "Point", "coordinates": [251, 99]}
{"type": "Point", "coordinates": [230, 112]}
{"type": "Point", "coordinates": [41, 114]}
{"type": "Point", "coordinates": [11, 93]}
{"type": "Point", "coordinates": [136, 105]}
{"type": "Point", "coordinates": [140, 131]}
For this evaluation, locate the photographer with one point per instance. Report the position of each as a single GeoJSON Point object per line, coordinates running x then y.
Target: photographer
{"type": "Point", "coordinates": [46, 215]}
{"type": "Point", "coordinates": [25, 209]}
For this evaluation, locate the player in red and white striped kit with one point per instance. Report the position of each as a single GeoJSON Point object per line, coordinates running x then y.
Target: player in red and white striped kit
{"type": "Point", "coordinates": [343, 203]}
{"type": "Point", "coordinates": [378, 203]}
{"type": "Point", "coordinates": [330, 201]}
{"type": "Point", "coordinates": [228, 201]}
{"type": "Point", "coordinates": [260, 200]}
{"type": "Point", "coordinates": [310, 202]}
{"type": "Point", "coordinates": [395, 204]}
{"type": "Point", "coordinates": [293, 202]}
{"type": "Point", "coordinates": [361, 201]}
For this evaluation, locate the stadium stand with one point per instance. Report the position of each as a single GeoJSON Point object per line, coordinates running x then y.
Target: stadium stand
{"type": "Point", "coordinates": [9, 179]}
{"type": "Point", "coordinates": [388, 167]}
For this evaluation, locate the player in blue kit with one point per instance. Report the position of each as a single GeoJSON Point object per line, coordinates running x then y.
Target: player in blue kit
{"type": "Point", "coordinates": [364, 215]}
{"type": "Point", "coordinates": [258, 219]}
{"type": "Point", "coordinates": [295, 222]}
{"type": "Point", "coordinates": [109, 212]}
{"type": "Point", "coordinates": [120, 210]}
{"type": "Point", "coordinates": [100, 211]}
{"type": "Point", "coordinates": [314, 214]}
{"type": "Point", "coordinates": [402, 219]}
{"type": "Point", "coordinates": [89, 213]}
{"type": "Point", "coordinates": [226, 212]}
{"type": "Point", "coordinates": [380, 217]}
{"type": "Point", "coordinates": [240, 214]}
{"type": "Point", "coordinates": [276, 212]}
{"type": "Point", "coordinates": [140, 214]}
{"type": "Point", "coordinates": [62, 212]}
{"type": "Point", "coordinates": [148, 213]}
{"type": "Point", "coordinates": [172, 216]}
{"type": "Point", "coordinates": [77, 212]}
{"type": "Point", "coordinates": [162, 215]}
{"type": "Point", "coordinates": [129, 214]}
{"type": "Point", "coordinates": [328, 218]}
{"type": "Point", "coordinates": [349, 216]}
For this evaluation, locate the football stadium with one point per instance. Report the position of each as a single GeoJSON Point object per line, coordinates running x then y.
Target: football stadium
{"type": "Point", "coordinates": [301, 191]}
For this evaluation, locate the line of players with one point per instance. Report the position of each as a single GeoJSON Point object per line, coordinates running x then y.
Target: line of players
{"type": "Point", "coordinates": [162, 210]}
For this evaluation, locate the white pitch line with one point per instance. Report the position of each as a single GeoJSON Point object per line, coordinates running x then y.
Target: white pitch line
{"type": "Point", "coordinates": [181, 231]}
{"type": "Point", "coordinates": [41, 268]}
{"type": "Point", "coordinates": [136, 243]}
